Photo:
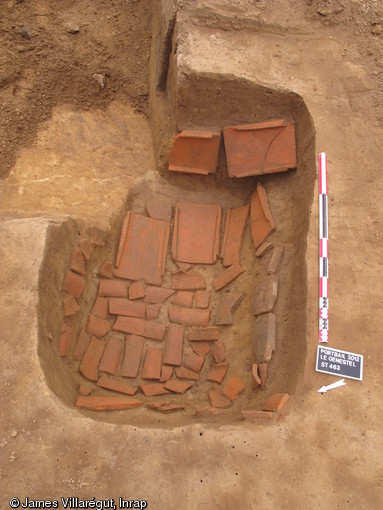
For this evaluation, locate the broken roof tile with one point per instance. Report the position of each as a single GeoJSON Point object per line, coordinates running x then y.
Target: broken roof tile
{"type": "Point", "coordinates": [160, 209]}
{"type": "Point", "coordinates": [275, 260]}
{"type": "Point", "coordinates": [183, 298]}
{"type": "Point", "coordinates": [91, 359]}
{"type": "Point", "coordinates": [77, 263]}
{"type": "Point", "coordinates": [152, 311]}
{"type": "Point", "coordinates": [201, 348]}
{"type": "Point", "coordinates": [151, 368]}
{"type": "Point", "coordinates": [100, 307]}
{"type": "Point", "coordinates": [194, 362]}
{"type": "Point", "coordinates": [202, 298]}
{"type": "Point", "coordinates": [228, 303]}
{"type": "Point", "coordinates": [188, 316]}
{"type": "Point", "coordinates": [218, 400]}
{"type": "Point", "coordinates": [227, 276]}
{"type": "Point", "coordinates": [264, 337]}
{"type": "Point", "coordinates": [110, 360]}
{"type": "Point", "coordinates": [157, 295]}
{"type": "Point", "coordinates": [184, 373]}
{"type": "Point", "coordinates": [74, 284]}
{"type": "Point", "coordinates": [112, 288]}
{"type": "Point", "coordinates": [174, 346]}
{"type": "Point", "coordinates": [116, 385]}
{"type": "Point", "coordinates": [81, 346]}
{"type": "Point", "coordinates": [262, 223]}
{"type": "Point", "coordinates": [153, 389]}
{"type": "Point", "coordinates": [70, 306]}
{"type": "Point", "coordinates": [122, 306]}
{"type": "Point", "coordinates": [275, 402]}
{"type": "Point", "coordinates": [263, 249]}
{"type": "Point", "coordinates": [265, 295]}
{"type": "Point", "coordinates": [100, 403]}
{"type": "Point", "coordinates": [106, 270]}
{"type": "Point", "coordinates": [140, 327]}
{"type": "Point", "coordinates": [166, 373]}
{"type": "Point", "coordinates": [97, 326]}
{"type": "Point", "coordinates": [133, 351]}
{"type": "Point", "coordinates": [188, 281]}
{"type": "Point", "coordinates": [218, 351]}
{"type": "Point", "coordinates": [217, 372]}
{"type": "Point", "coordinates": [235, 224]}
{"type": "Point", "coordinates": [204, 334]}
{"type": "Point", "coordinates": [177, 386]}
{"type": "Point", "coordinates": [195, 152]}
{"type": "Point", "coordinates": [136, 290]}
{"type": "Point", "coordinates": [233, 388]}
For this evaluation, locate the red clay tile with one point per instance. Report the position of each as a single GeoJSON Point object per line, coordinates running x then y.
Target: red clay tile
{"type": "Point", "coordinates": [65, 341]}
{"type": "Point", "coordinates": [261, 148]}
{"type": "Point", "coordinates": [252, 415]}
{"type": "Point", "coordinates": [91, 359]}
{"type": "Point", "coordinates": [74, 284]}
{"type": "Point", "coordinates": [218, 351]}
{"type": "Point", "coordinates": [228, 303]}
{"type": "Point", "coordinates": [110, 360]}
{"type": "Point", "coordinates": [202, 298]}
{"type": "Point", "coordinates": [97, 326]}
{"type": "Point", "coordinates": [188, 316]}
{"type": "Point", "coordinates": [265, 295]}
{"type": "Point", "coordinates": [218, 400]}
{"type": "Point", "coordinates": [275, 260]}
{"type": "Point", "coordinates": [81, 346]}
{"type": "Point", "coordinates": [256, 379]}
{"type": "Point", "coordinates": [196, 233]}
{"type": "Point", "coordinates": [132, 357]}
{"type": "Point", "coordinates": [160, 209]}
{"type": "Point", "coordinates": [96, 236]}
{"type": "Point", "coordinates": [157, 295]}
{"type": "Point", "coordinates": [152, 364]}
{"type": "Point", "coordinates": [264, 337]}
{"type": "Point", "coordinates": [236, 221]}
{"type": "Point", "coordinates": [77, 262]}
{"type": "Point", "coordinates": [185, 373]}
{"type": "Point", "coordinates": [174, 346]}
{"type": "Point", "coordinates": [262, 371]}
{"type": "Point", "coordinates": [262, 223]}
{"type": "Point", "coordinates": [264, 248]}
{"type": "Point", "coordinates": [86, 248]}
{"type": "Point", "coordinates": [166, 373]}
{"type": "Point", "coordinates": [209, 334]}
{"type": "Point", "coordinates": [194, 362]}
{"type": "Point", "coordinates": [276, 402]}
{"type": "Point", "coordinates": [140, 327]}
{"type": "Point", "coordinates": [165, 408]}
{"type": "Point", "coordinates": [70, 306]}
{"type": "Point", "coordinates": [112, 288]}
{"type": "Point", "coordinates": [84, 390]}
{"type": "Point", "coordinates": [107, 270]}
{"type": "Point", "coordinates": [122, 306]}
{"type": "Point", "coordinates": [195, 152]}
{"type": "Point", "coordinates": [233, 388]}
{"type": "Point", "coordinates": [142, 249]}
{"type": "Point", "coordinates": [188, 281]}
{"type": "Point", "coordinates": [152, 311]}
{"type": "Point", "coordinates": [136, 290]}
{"type": "Point", "coordinates": [177, 386]}
{"type": "Point", "coordinates": [208, 411]}
{"type": "Point", "coordinates": [116, 385]}
{"type": "Point", "coordinates": [227, 276]}
{"type": "Point", "coordinates": [217, 373]}
{"type": "Point", "coordinates": [183, 266]}
{"type": "Point", "coordinates": [201, 348]}
{"type": "Point", "coordinates": [97, 403]}
{"type": "Point", "coordinates": [100, 307]}
{"type": "Point", "coordinates": [183, 298]}
{"type": "Point", "coordinates": [153, 389]}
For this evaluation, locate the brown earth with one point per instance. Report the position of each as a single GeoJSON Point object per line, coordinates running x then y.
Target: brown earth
{"type": "Point", "coordinates": [73, 154]}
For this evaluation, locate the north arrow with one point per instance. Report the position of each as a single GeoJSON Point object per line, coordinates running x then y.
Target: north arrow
{"type": "Point", "coordinates": [332, 386]}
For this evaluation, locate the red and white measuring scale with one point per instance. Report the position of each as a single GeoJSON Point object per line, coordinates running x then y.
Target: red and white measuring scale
{"type": "Point", "coordinates": [323, 249]}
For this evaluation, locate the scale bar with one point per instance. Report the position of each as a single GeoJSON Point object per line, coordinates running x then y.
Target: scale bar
{"type": "Point", "coordinates": [323, 249]}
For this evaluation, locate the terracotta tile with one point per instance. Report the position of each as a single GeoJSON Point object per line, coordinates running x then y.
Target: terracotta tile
{"type": "Point", "coordinates": [152, 311]}
{"type": "Point", "coordinates": [70, 306]}
{"type": "Point", "coordinates": [122, 306]}
{"type": "Point", "coordinates": [262, 371]}
{"type": "Point", "coordinates": [264, 337]}
{"type": "Point", "coordinates": [136, 290]}
{"type": "Point", "coordinates": [188, 316]}
{"type": "Point", "coordinates": [74, 284]}
{"type": "Point", "coordinates": [166, 373]}
{"type": "Point", "coordinates": [276, 402]}
{"type": "Point", "coordinates": [204, 334]}
{"type": "Point", "coordinates": [265, 295]}
{"type": "Point", "coordinates": [194, 362]}
{"type": "Point", "coordinates": [142, 250]}
{"type": "Point", "coordinates": [81, 346]}
{"type": "Point", "coordinates": [196, 233]}
{"type": "Point", "coordinates": [251, 415]}
{"type": "Point", "coordinates": [110, 360]}
{"type": "Point", "coordinates": [275, 260]}
{"type": "Point", "coordinates": [77, 263]}
{"type": "Point", "coordinates": [100, 307]}
{"type": "Point", "coordinates": [97, 326]}
{"type": "Point", "coordinates": [166, 408]}
{"type": "Point", "coordinates": [228, 303]}
{"type": "Point", "coordinates": [235, 224]}
{"type": "Point", "coordinates": [233, 388]}
{"type": "Point", "coordinates": [91, 359]}
{"type": "Point", "coordinates": [262, 223]}
{"type": "Point", "coordinates": [107, 270]}
{"type": "Point", "coordinates": [218, 400]}
{"type": "Point", "coordinates": [202, 412]}
{"type": "Point", "coordinates": [160, 209]}
{"type": "Point", "coordinates": [157, 295]}
{"type": "Point", "coordinates": [96, 236]}
{"type": "Point", "coordinates": [185, 373]}
{"type": "Point", "coordinates": [261, 148]}
{"type": "Point", "coordinates": [201, 348]}
{"type": "Point", "coordinates": [84, 390]}
{"type": "Point", "coordinates": [116, 385]}
{"type": "Point", "coordinates": [133, 351]}
{"type": "Point", "coordinates": [140, 327]}
{"type": "Point", "coordinates": [65, 341]}
{"type": "Point", "coordinates": [156, 405]}
{"type": "Point", "coordinates": [183, 266]}
{"type": "Point", "coordinates": [218, 351]}
{"type": "Point", "coordinates": [264, 248]}
{"type": "Point", "coordinates": [227, 276]}
{"type": "Point", "coordinates": [195, 152]}
{"type": "Point", "coordinates": [177, 386]}
{"type": "Point", "coordinates": [188, 281]}
{"type": "Point", "coordinates": [217, 373]}
{"type": "Point", "coordinates": [112, 288]}
{"type": "Point", "coordinates": [256, 379]}
{"type": "Point", "coordinates": [152, 364]}
{"type": "Point", "coordinates": [86, 248]}
{"type": "Point", "coordinates": [183, 298]}
{"type": "Point", "coordinates": [174, 346]}
{"type": "Point", "coordinates": [97, 403]}
{"type": "Point", "coordinates": [153, 389]}
{"type": "Point", "coordinates": [202, 298]}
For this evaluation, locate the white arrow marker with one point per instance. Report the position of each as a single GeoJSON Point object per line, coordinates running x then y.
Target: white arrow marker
{"type": "Point", "coordinates": [332, 386]}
